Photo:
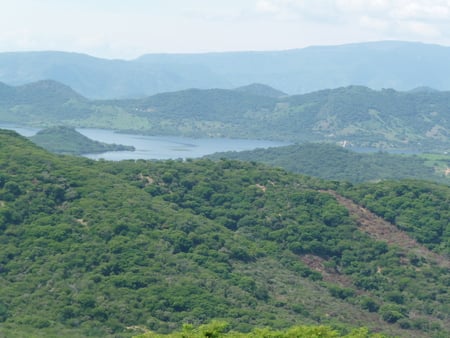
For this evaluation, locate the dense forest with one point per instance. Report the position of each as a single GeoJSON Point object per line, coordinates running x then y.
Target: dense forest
{"type": "Point", "coordinates": [385, 119]}
{"type": "Point", "coordinates": [97, 248]}
{"type": "Point", "coordinates": [333, 162]}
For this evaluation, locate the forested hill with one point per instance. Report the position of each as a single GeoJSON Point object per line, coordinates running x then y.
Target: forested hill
{"type": "Point", "coordinates": [221, 105]}
{"type": "Point", "coordinates": [48, 91]}
{"type": "Point", "coordinates": [418, 120]}
{"type": "Point", "coordinates": [43, 102]}
{"type": "Point", "coordinates": [333, 162]}
{"type": "Point", "coordinates": [65, 140]}
{"type": "Point", "coordinates": [382, 64]}
{"type": "Point", "coordinates": [108, 248]}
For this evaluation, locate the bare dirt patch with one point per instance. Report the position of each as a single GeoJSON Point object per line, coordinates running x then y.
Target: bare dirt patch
{"type": "Point", "coordinates": [147, 179]}
{"type": "Point", "coordinates": [382, 230]}
{"type": "Point", "coordinates": [81, 221]}
{"type": "Point", "coordinates": [262, 187]}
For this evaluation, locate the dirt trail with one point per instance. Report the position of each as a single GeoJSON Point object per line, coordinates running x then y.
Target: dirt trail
{"type": "Point", "coordinates": [382, 230]}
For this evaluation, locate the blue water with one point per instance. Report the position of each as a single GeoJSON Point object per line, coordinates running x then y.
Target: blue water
{"type": "Point", "coordinates": [158, 147]}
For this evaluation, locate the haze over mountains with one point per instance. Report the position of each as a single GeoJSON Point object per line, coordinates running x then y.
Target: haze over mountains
{"type": "Point", "coordinates": [377, 65]}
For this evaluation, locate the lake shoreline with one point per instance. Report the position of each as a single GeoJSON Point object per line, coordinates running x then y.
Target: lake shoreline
{"type": "Point", "coordinates": [161, 147]}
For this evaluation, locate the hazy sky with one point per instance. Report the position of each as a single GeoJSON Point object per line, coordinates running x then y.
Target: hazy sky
{"type": "Point", "coordinates": [129, 28]}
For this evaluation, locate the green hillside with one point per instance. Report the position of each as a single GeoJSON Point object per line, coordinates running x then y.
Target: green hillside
{"type": "Point", "coordinates": [110, 248]}
{"type": "Point", "coordinates": [41, 103]}
{"type": "Point", "coordinates": [65, 140]}
{"type": "Point", "coordinates": [333, 162]}
{"type": "Point", "coordinates": [361, 115]}
{"type": "Point", "coordinates": [383, 119]}
{"type": "Point", "coordinates": [209, 105]}
{"type": "Point", "coordinates": [412, 207]}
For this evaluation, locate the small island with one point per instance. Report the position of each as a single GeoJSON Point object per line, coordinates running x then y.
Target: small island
{"type": "Point", "coordinates": [66, 140]}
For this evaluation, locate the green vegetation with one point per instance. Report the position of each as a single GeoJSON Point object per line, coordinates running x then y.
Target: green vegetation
{"type": "Point", "coordinates": [108, 249]}
{"type": "Point", "coordinates": [218, 330]}
{"type": "Point", "coordinates": [440, 162]}
{"type": "Point", "coordinates": [333, 162]}
{"type": "Point", "coordinates": [360, 116]}
{"type": "Point", "coordinates": [65, 140]}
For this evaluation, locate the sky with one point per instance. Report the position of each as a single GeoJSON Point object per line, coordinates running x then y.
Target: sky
{"type": "Point", "coordinates": [126, 29]}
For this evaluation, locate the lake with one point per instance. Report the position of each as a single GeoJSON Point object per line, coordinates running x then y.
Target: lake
{"type": "Point", "coordinates": [157, 147]}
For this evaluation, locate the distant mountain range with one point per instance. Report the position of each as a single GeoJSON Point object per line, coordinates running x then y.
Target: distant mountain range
{"type": "Point", "coordinates": [386, 64]}
{"type": "Point", "coordinates": [357, 115]}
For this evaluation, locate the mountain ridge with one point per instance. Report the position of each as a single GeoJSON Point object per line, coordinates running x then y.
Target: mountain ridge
{"type": "Point", "coordinates": [379, 64]}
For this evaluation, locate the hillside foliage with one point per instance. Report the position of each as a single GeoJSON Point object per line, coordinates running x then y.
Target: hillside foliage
{"type": "Point", "coordinates": [419, 208]}
{"type": "Point", "coordinates": [106, 248]}
{"type": "Point", "coordinates": [218, 329]}
{"type": "Point", "coordinates": [333, 162]}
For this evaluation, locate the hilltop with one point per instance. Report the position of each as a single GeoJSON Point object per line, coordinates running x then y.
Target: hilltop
{"type": "Point", "coordinates": [383, 64]}
{"type": "Point", "coordinates": [261, 90]}
{"type": "Point", "coordinates": [93, 248]}
{"type": "Point", "coordinates": [43, 103]}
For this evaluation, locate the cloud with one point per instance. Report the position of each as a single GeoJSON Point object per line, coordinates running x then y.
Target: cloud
{"type": "Point", "coordinates": [397, 9]}
{"type": "Point", "coordinates": [422, 29]}
{"type": "Point", "coordinates": [266, 6]}
{"type": "Point", "coordinates": [422, 10]}
{"type": "Point", "coordinates": [374, 23]}
{"type": "Point", "coordinates": [363, 6]}
{"type": "Point", "coordinates": [399, 18]}
{"type": "Point", "coordinates": [114, 28]}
